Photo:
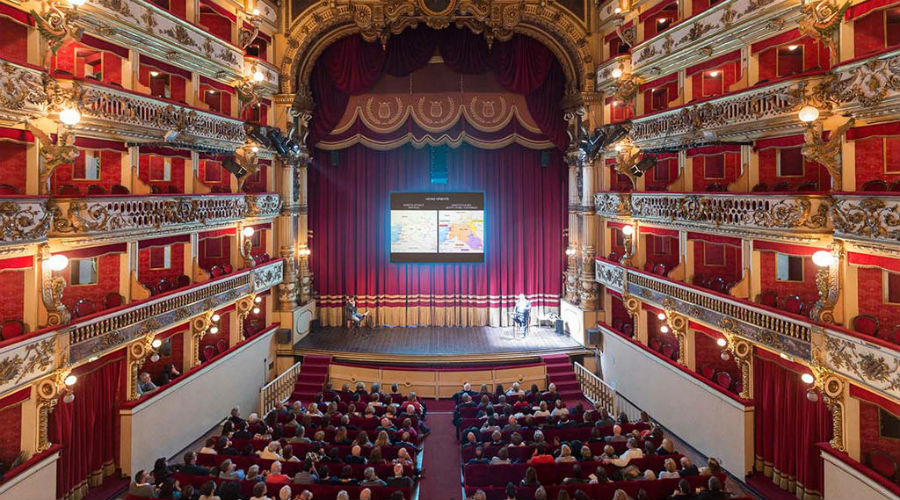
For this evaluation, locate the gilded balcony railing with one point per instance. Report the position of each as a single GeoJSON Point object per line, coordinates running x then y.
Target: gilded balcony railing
{"type": "Point", "coordinates": [123, 216]}
{"type": "Point", "coordinates": [725, 27]}
{"type": "Point", "coordinates": [101, 333]}
{"type": "Point", "coordinates": [264, 205]}
{"type": "Point", "coordinates": [609, 274]}
{"type": "Point", "coordinates": [736, 213]}
{"type": "Point", "coordinates": [604, 73]}
{"type": "Point", "coordinates": [743, 114]}
{"type": "Point", "coordinates": [22, 93]}
{"type": "Point", "coordinates": [612, 203]}
{"type": "Point", "coordinates": [121, 112]}
{"type": "Point", "coordinates": [866, 88]}
{"type": "Point", "coordinates": [279, 389]}
{"type": "Point", "coordinates": [867, 218]}
{"type": "Point", "coordinates": [23, 219]}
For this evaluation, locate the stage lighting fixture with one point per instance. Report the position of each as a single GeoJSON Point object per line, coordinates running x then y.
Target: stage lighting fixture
{"type": "Point", "coordinates": [615, 133]}
{"type": "Point", "coordinates": [258, 134]}
{"type": "Point", "coordinates": [645, 164]}
{"type": "Point", "coordinates": [234, 167]}
{"type": "Point", "coordinates": [278, 141]}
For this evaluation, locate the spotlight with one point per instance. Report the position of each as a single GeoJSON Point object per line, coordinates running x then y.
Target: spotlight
{"type": "Point", "coordinates": [713, 74]}
{"type": "Point", "coordinates": [808, 114]}
{"type": "Point", "coordinates": [278, 141]}
{"type": "Point", "coordinates": [823, 258]}
{"type": "Point", "coordinates": [615, 133]}
{"type": "Point", "coordinates": [69, 117]}
{"type": "Point", "coordinates": [661, 316]}
{"type": "Point", "coordinates": [154, 74]}
{"type": "Point", "coordinates": [807, 378]}
{"type": "Point", "coordinates": [257, 299]}
{"type": "Point", "coordinates": [628, 230]}
{"type": "Point", "coordinates": [258, 134]}
{"type": "Point", "coordinates": [248, 231]}
{"type": "Point", "coordinates": [70, 380]}
{"type": "Point", "coordinates": [662, 20]}
{"type": "Point", "coordinates": [721, 342]}
{"type": "Point", "coordinates": [210, 91]}
{"type": "Point", "coordinates": [57, 262]}
{"type": "Point", "coordinates": [645, 164]}
{"type": "Point", "coordinates": [156, 343]}
{"type": "Point", "coordinates": [793, 47]}
{"type": "Point", "coordinates": [216, 318]}
{"type": "Point", "coordinates": [214, 330]}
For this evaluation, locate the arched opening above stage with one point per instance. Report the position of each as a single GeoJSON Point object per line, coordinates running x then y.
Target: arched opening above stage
{"type": "Point", "coordinates": [437, 87]}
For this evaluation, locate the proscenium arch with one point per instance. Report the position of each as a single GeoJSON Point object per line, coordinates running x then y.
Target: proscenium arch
{"type": "Point", "coordinates": [326, 22]}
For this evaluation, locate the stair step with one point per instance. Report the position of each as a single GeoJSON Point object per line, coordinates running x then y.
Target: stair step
{"type": "Point", "coordinates": [553, 370]}
{"type": "Point", "coordinates": [564, 377]}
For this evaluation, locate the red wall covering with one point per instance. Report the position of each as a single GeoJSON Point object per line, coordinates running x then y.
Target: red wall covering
{"type": "Point", "coordinates": [213, 340]}
{"type": "Point", "coordinates": [107, 281]}
{"type": "Point", "coordinates": [869, 435]}
{"type": "Point", "coordinates": [12, 162]}
{"type": "Point", "coordinates": [11, 432]}
{"type": "Point", "coordinates": [659, 253]}
{"type": "Point", "coordinates": [664, 173]}
{"type": "Point", "coordinates": [731, 271]}
{"type": "Point", "coordinates": [217, 176]}
{"type": "Point", "coordinates": [871, 35]}
{"type": "Point", "coordinates": [617, 242]}
{"type": "Point", "coordinates": [110, 172]}
{"type": "Point", "coordinates": [256, 183]}
{"type": "Point", "coordinates": [876, 157]}
{"type": "Point", "coordinates": [871, 299]}
{"type": "Point", "coordinates": [805, 289]}
{"type": "Point", "coordinates": [12, 282]}
{"type": "Point", "coordinates": [155, 163]}
{"type": "Point", "coordinates": [701, 87]}
{"type": "Point", "coordinates": [176, 356]}
{"type": "Point", "coordinates": [732, 163]}
{"type": "Point", "coordinates": [620, 314]}
{"type": "Point", "coordinates": [219, 251]}
{"type": "Point", "coordinates": [13, 40]}
{"type": "Point", "coordinates": [815, 56]}
{"type": "Point", "coordinates": [110, 63]}
{"type": "Point", "coordinates": [768, 171]}
{"type": "Point", "coordinates": [216, 24]}
{"type": "Point", "coordinates": [707, 352]}
{"type": "Point", "coordinates": [618, 182]}
{"type": "Point", "coordinates": [147, 275]}
{"type": "Point", "coordinates": [654, 335]}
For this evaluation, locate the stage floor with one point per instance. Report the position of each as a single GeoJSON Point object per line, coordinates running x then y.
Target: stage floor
{"type": "Point", "coordinates": [440, 344]}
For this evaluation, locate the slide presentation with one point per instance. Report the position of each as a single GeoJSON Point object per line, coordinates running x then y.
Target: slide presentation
{"type": "Point", "coordinates": [437, 227]}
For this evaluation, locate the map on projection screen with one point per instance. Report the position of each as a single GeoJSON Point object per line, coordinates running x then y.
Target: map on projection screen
{"type": "Point", "coordinates": [437, 227]}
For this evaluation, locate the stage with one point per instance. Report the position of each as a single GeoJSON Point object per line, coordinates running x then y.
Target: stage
{"type": "Point", "coordinates": [436, 344]}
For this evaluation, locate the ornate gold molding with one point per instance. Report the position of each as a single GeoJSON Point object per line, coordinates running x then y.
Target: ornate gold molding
{"type": "Point", "coordinates": [827, 153]}
{"type": "Point", "coordinates": [138, 352]}
{"type": "Point", "coordinates": [821, 20]}
{"type": "Point", "coordinates": [678, 325]}
{"type": "Point", "coordinates": [47, 393]}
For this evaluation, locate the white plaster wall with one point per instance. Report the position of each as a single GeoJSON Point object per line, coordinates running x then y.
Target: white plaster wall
{"type": "Point", "coordinates": [167, 423]}
{"type": "Point", "coordinates": [710, 421]}
{"type": "Point", "coordinates": [842, 482]}
{"type": "Point", "coordinates": [36, 483]}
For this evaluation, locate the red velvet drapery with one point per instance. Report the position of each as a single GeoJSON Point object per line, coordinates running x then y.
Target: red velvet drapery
{"type": "Point", "coordinates": [88, 428]}
{"type": "Point", "coordinates": [787, 428]}
{"type": "Point", "coordinates": [521, 65]}
{"type": "Point", "coordinates": [349, 221]}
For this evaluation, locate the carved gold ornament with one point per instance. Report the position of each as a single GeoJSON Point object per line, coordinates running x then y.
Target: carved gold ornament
{"type": "Point", "coordinates": [56, 23]}
{"type": "Point", "coordinates": [828, 283]}
{"type": "Point", "coordinates": [872, 218]}
{"type": "Point", "coordinates": [867, 84]}
{"type": "Point", "coordinates": [826, 153]}
{"type": "Point", "coordinates": [821, 20]}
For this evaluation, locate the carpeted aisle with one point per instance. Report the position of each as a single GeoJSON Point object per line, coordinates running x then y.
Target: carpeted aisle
{"type": "Point", "coordinates": [441, 458]}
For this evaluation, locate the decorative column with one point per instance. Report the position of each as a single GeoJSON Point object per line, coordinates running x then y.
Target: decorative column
{"type": "Point", "coordinates": [678, 324]}
{"type": "Point", "coordinates": [200, 326]}
{"type": "Point", "coordinates": [47, 392]}
{"type": "Point", "coordinates": [138, 352]}
{"type": "Point", "coordinates": [742, 352]}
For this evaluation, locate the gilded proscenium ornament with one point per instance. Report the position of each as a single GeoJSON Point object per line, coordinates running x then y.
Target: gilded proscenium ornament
{"type": "Point", "coordinates": [589, 294]}
{"type": "Point", "coordinates": [288, 289]}
{"type": "Point", "coordinates": [826, 152]}
{"type": "Point", "coordinates": [830, 387]}
{"type": "Point", "coordinates": [244, 307]}
{"type": "Point", "coordinates": [821, 20]}
{"type": "Point", "coordinates": [47, 392]}
{"type": "Point", "coordinates": [56, 23]}
{"type": "Point", "coordinates": [571, 275]}
{"type": "Point", "coordinates": [200, 327]}
{"type": "Point", "coordinates": [678, 325]}
{"type": "Point", "coordinates": [138, 352]}
{"type": "Point", "coordinates": [828, 284]}
{"type": "Point", "coordinates": [741, 352]}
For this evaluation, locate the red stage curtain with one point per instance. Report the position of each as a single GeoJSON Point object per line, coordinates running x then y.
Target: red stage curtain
{"type": "Point", "coordinates": [349, 221]}
{"type": "Point", "coordinates": [522, 65]}
{"type": "Point", "coordinates": [88, 428]}
{"type": "Point", "coordinates": [788, 426]}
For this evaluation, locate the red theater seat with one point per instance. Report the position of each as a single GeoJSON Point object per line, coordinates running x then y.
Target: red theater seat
{"type": "Point", "coordinates": [866, 324]}
{"type": "Point", "coordinates": [83, 307]}
{"type": "Point", "coordinates": [793, 305]}
{"type": "Point", "coordinates": [724, 379]}
{"type": "Point", "coordinates": [875, 185]}
{"type": "Point", "coordinates": [769, 298]}
{"type": "Point", "coordinates": [12, 328]}
{"type": "Point", "coordinates": [112, 300]}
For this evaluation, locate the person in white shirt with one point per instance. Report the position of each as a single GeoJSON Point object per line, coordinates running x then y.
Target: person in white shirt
{"type": "Point", "coordinates": [542, 410]}
{"type": "Point", "coordinates": [515, 390]}
{"type": "Point", "coordinates": [560, 409]}
{"type": "Point", "coordinates": [271, 452]}
{"type": "Point", "coordinates": [630, 454]}
{"type": "Point", "coordinates": [209, 448]}
{"type": "Point", "coordinates": [671, 470]}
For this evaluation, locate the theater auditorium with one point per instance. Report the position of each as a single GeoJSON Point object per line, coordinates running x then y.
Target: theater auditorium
{"type": "Point", "coordinates": [449, 249]}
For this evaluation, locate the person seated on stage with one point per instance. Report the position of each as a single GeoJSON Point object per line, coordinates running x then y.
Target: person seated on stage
{"type": "Point", "coordinates": [522, 312]}
{"type": "Point", "coordinates": [354, 318]}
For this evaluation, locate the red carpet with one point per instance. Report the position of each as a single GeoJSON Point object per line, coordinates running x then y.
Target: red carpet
{"type": "Point", "coordinates": [111, 488]}
{"type": "Point", "coordinates": [767, 489]}
{"type": "Point", "coordinates": [441, 459]}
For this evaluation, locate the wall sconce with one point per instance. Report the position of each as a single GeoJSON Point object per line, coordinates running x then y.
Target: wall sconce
{"type": "Point", "coordinates": [661, 316]}
{"type": "Point", "coordinates": [628, 241]}
{"type": "Point", "coordinates": [808, 114]}
{"type": "Point", "coordinates": [52, 288]}
{"type": "Point", "coordinates": [247, 246]}
{"type": "Point", "coordinates": [828, 283]}
{"type": "Point", "coordinates": [617, 72]}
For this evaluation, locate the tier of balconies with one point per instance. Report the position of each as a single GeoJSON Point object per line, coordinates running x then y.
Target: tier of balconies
{"type": "Point", "coordinates": [867, 219]}
{"type": "Point", "coordinates": [41, 352]}
{"type": "Point", "coordinates": [744, 115]}
{"type": "Point", "coordinates": [32, 219]}
{"type": "Point", "coordinates": [868, 361]}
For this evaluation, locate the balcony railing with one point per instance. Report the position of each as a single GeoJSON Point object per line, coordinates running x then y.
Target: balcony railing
{"type": "Point", "coordinates": [736, 213]}
{"type": "Point", "coordinates": [117, 217]}
{"type": "Point", "coordinates": [867, 218]}
{"type": "Point", "coordinates": [23, 219]}
{"type": "Point", "coordinates": [743, 115]}
{"type": "Point", "coordinates": [120, 112]}
{"type": "Point", "coordinates": [868, 361]}
{"type": "Point", "coordinates": [22, 93]}
{"type": "Point", "coordinates": [103, 332]}
{"type": "Point", "coordinates": [725, 27]}
{"type": "Point", "coordinates": [143, 26]}
{"type": "Point", "coordinates": [612, 204]}
{"type": "Point", "coordinates": [603, 74]}
{"type": "Point", "coordinates": [866, 88]}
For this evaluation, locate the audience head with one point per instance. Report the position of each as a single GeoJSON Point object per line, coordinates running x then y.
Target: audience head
{"type": "Point", "coordinates": [284, 493]}
{"type": "Point", "coordinates": [668, 445]}
{"type": "Point", "coordinates": [601, 474]}
{"type": "Point", "coordinates": [467, 387]}
{"type": "Point", "coordinates": [189, 458]}
{"type": "Point", "coordinates": [632, 442]}
{"type": "Point", "coordinates": [510, 490]}
{"type": "Point", "coordinates": [540, 493]}
{"type": "Point", "coordinates": [479, 495]}
{"type": "Point", "coordinates": [714, 484]}
{"type": "Point", "coordinates": [713, 465]}
{"type": "Point", "coordinates": [275, 468]}
{"type": "Point", "coordinates": [365, 494]}
{"type": "Point", "coordinates": [620, 495]}
{"type": "Point", "coordinates": [617, 430]}
{"type": "Point", "coordinates": [685, 462]}
{"type": "Point", "coordinates": [342, 495]}
{"type": "Point", "coordinates": [684, 486]}
{"type": "Point", "coordinates": [208, 488]}
{"type": "Point", "coordinates": [670, 465]}
{"type": "Point", "coordinates": [531, 475]}
{"type": "Point", "coordinates": [563, 495]}
{"type": "Point", "coordinates": [141, 477]}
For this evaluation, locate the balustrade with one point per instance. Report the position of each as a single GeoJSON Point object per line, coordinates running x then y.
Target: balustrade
{"type": "Point", "coordinates": [24, 219]}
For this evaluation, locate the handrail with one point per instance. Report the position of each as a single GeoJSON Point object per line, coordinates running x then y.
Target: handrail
{"type": "Point", "coordinates": [596, 389]}
{"type": "Point", "coordinates": [279, 389]}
